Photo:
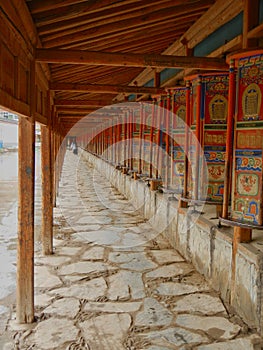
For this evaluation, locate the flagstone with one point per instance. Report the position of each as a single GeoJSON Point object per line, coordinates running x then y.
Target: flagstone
{"type": "Point", "coordinates": [202, 303]}
{"type": "Point", "coordinates": [86, 227]}
{"type": "Point", "coordinates": [132, 261]}
{"type": "Point", "coordinates": [84, 267]}
{"type": "Point", "coordinates": [118, 307]}
{"type": "Point", "coordinates": [66, 307]}
{"type": "Point", "coordinates": [89, 219]}
{"type": "Point", "coordinates": [42, 300]}
{"type": "Point", "coordinates": [45, 279]}
{"type": "Point", "coordinates": [175, 336]}
{"type": "Point", "coordinates": [71, 251]}
{"type": "Point", "coordinates": [53, 333]}
{"type": "Point", "coordinates": [94, 253]}
{"type": "Point", "coordinates": [170, 271]}
{"type": "Point", "coordinates": [174, 288]}
{"type": "Point", "coordinates": [91, 290]}
{"type": "Point", "coordinates": [153, 314]}
{"type": "Point", "coordinates": [125, 285]}
{"type": "Point", "coordinates": [217, 327]}
{"type": "Point", "coordinates": [100, 237]}
{"type": "Point", "coordinates": [166, 256]}
{"type": "Point", "coordinates": [106, 331]}
{"type": "Point", "coordinates": [52, 260]}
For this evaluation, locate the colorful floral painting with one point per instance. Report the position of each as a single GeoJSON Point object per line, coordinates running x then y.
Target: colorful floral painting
{"type": "Point", "coordinates": [247, 184]}
{"type": "Point", "coordinates": [216, 172]}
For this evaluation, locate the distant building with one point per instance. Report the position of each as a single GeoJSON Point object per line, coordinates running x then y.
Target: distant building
{"type": "Point", "coordinates": [8, 130]}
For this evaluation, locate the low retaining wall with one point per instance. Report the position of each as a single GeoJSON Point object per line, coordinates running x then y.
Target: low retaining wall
{"type": "Point", "coordinates": [201, 242]}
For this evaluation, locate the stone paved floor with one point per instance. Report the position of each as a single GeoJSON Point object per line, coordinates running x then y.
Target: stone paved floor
{"type": "Point", "coordinates": [113, 285]}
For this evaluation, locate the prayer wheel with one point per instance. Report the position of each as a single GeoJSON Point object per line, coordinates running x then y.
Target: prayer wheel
{"type": "Point", "coordinates": [247, 200]}
{"type": "Point", "coordinates": [178, 129]}
{"type": "Point", "coordinates": [207, 109]}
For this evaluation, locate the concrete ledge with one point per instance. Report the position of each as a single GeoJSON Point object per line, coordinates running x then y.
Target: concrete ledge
{"type": "Point", "coordinates": [201, 242]}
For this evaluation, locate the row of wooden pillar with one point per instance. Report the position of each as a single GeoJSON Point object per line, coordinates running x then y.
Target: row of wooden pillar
{"type": "Point", "coordinates": [52, 153]}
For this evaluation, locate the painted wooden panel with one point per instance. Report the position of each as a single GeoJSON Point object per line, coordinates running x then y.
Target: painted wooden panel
{"type": "Point", "coordinates": [178, 137]}
{"type": "Point", "coordinates": [208, 114]}
{"type": "Point", "coordinates": [247, 173]}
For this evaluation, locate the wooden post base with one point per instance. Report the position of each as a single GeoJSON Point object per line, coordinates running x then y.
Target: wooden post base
{"type": "Point", "coordinates": [135, 176]}
{"type": "Point", "coordinates": [154, 184]}
{"type": "Point", "coordinates": [219, 209]}
{"type": "Point", "coordinates": [242, 235]}
{"type": "Point", "coordinates": [183, 204]}
{"type": "Point", "coordinates": [125, 170]}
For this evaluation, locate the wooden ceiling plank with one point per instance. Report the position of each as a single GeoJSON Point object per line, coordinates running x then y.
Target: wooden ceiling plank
{"type": "Point", "coordinates": [104, 38]}
{"type": "Point", "coordinates": [120, 76]}
{"type": "Point", "coordinates": [38, 6]}
{"type": "Point", "coordinates": [74, 11]}
{"type": "Point", "coordinates": [145, 36]}
{"type": "Point", "coordinates": [156, 43]}
{"type": "Point", "coordinates": [103, 17]}
{"type": "Point", "coordinates": [99, 88]}
{"type": "Point", "coordinates": [125, 59]}
{"type": "Point", "coordinates": [117, 26]}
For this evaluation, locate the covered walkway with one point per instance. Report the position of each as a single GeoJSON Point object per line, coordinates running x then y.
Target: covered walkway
{"type": "Point", "coordinates": [112, 283]}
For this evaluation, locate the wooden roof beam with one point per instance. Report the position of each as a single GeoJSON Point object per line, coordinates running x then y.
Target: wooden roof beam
{"type": "Point", "coordinates": [130, 60]}
{"type": "Point", "coordinates": [256, 32]}
{"type": "Point", "coordinates": [110, 89]}
{"type": "Point", "coordinates": [86, 103]}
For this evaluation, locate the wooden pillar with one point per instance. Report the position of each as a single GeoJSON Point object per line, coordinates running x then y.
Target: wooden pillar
{"type": "Point", "coordinates": [47, 201]}
{"type": "Point", "coordinates": [229, 139]}
{"type": "Point", "coordinates": [167, 138]}
{"type": "Point", "coordinates": [158, 146]}
{"type": "Point", "coordinates": [119, 130]}
{"type": "Point", "coordinates": [53, 157]}
{"type": "Point", "coordinates": [26, 181]}
{"type": "Point", "coordinates": [186, 144]}
{"type": "Point", "coordinates": [125, 137]}
{"type": "Point", "coordinates": [198, 137]}
{"type": "Point", "coordinates": [140, 140]}
{"type": "Point", "coordinates": [131, 139]}
{"type": "Point", "coordinates": [151, 138]}
{"type": "Point", "coordinates": [143, 138]}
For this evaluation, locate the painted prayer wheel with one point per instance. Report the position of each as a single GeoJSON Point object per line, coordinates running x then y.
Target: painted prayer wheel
{"type": "Point", "coordinates": [178, 97]}
{"type": "Point", "coordinates": [135, 139]}
{"type": "Point", "coordinates": [146, 137]}
{"type": "Point", "coordinates": [247, 199]}
{"type": "Point", "coordinates": [208, 107]}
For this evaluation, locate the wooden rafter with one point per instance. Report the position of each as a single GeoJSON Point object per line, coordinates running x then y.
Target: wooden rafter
{"type": "Point", "coordinates": [124, 11]}
{"type": "Point", "coordinates": [127, 59]}
{"type": "Point", "coordinates": [98, 103]}
{"type": "Point", "coordinates": [118, 26]}
{"type": "Point", "coordinates": [110, 89]}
